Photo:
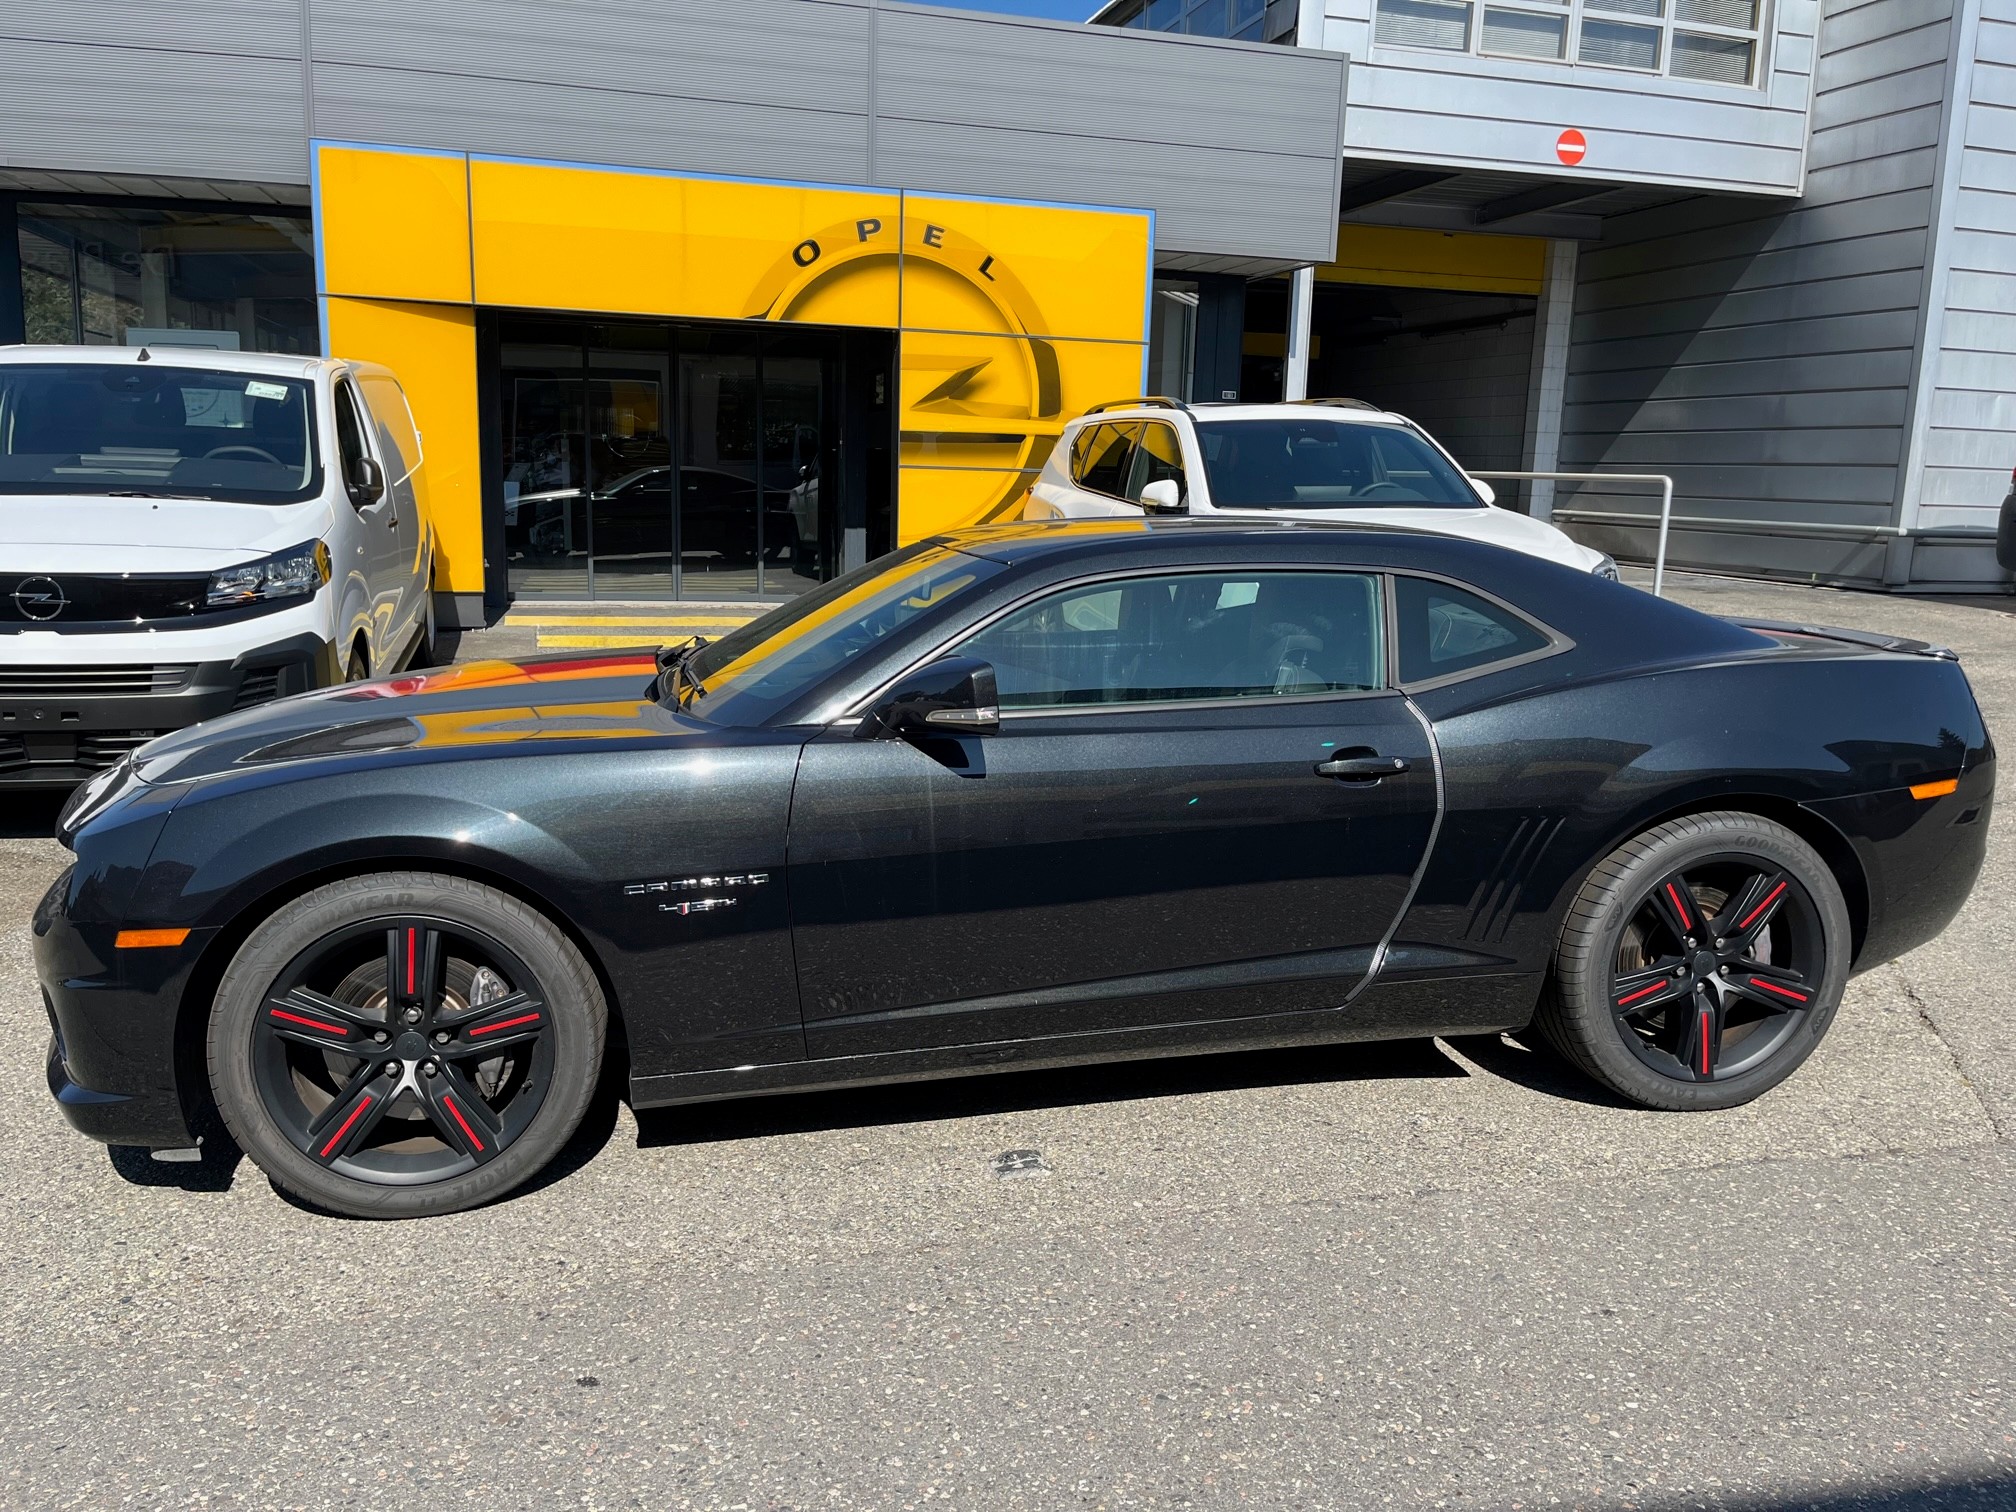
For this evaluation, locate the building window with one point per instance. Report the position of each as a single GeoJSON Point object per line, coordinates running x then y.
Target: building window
{"type": "Point", "coordinates": [100, 275]}
{"type": "Point", "coordinates": [1240, 20]}
{"type": "Point", "coordinates": [1717, 41]}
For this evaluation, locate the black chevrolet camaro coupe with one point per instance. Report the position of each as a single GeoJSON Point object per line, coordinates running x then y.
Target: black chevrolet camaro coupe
{"type": "Point", "coordinates": [1010, 797]}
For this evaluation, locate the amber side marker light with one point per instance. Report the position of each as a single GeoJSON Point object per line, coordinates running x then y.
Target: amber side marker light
{"type": "Point", "coordinates": [149, 939]}
{"type": "Point", "coordinates": [1935, 789]}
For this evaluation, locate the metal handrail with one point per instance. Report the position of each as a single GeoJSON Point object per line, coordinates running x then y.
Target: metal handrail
{"type": "Point", "coordinates": [1665, 503]}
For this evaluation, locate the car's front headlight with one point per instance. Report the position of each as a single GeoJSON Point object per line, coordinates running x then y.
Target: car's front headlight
{"type": "Point", "coordinates": [1607, 568]}
{"type": "Point", "coordinates": [297, 572]}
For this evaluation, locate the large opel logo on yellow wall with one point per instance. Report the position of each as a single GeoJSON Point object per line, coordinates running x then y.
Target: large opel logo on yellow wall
{"type": "Point", "coordinates": [996, 399]}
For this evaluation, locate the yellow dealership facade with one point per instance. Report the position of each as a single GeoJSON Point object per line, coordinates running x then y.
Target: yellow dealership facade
{"type": "Point", "coordinates": [1004, 319]}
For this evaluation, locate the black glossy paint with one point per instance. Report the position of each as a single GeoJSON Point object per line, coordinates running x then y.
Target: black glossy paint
{"type": "Point", "coordinates": [788, 905]}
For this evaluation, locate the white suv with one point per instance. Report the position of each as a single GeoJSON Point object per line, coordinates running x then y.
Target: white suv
{"type": "Point", "coordinates": [186, 531]}
{"type": "Point", "coordinates": [1317, 459]}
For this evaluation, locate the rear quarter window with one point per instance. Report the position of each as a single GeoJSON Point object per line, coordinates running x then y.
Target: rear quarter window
{"type": "Point", "coordinates": [1444, 630]}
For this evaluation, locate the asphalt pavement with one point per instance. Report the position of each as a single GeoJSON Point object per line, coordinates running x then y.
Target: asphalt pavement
{"type": "Point", "coordinates": [1416, 1275]}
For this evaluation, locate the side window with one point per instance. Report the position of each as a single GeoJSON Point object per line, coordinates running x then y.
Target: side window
{"type": "Point", "coordinates": [1188, 636]}
{"type": "Point", "coordinates": [1443, 629]}
{"type": "Point", "coordinates": [1105, 467]}
{"type": "Point", "coordinates": [1159, 455]}
{"type": "Point", "coordinates": [350, 445]}
{"type": "Point", "coordinates": [398, 441]}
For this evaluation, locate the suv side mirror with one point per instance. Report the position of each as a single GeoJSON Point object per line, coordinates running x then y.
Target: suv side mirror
{"type": "Point", "coordinates": [951, 696]}
{"type": "Point", "coordinates": [1163, 496]}
{"type": "Point", "coordinates": [1484, 490]}
{"type": "Point", "coordinates": [367, 482]}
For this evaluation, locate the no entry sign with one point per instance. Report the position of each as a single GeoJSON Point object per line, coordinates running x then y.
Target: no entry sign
{"type": "Point", "coordinates": [1571, 146]}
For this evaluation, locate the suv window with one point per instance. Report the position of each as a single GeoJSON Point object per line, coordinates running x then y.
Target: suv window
{"type": "Point", "coordinates": [1308, 462]}
{"type": "Point", "coordinates": [1443, 629]}
{"type": "Point", "coordinates": [1099, 457]}
{"type": "Point", "coordinates": [1188, 636]}
{"type": "Point", "coordinates": [1157, 455]}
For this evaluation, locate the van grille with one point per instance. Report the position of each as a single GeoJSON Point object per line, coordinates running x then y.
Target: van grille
{"type": "Point", "coordinates": [64, 600]}
{"type": "Point", "coordinates": [85, 682]}
{"type": "Point", "coordinates": [102, 748]}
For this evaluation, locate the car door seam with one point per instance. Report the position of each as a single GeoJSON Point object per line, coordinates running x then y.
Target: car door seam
{"type": "Point", "coordinates": [1420, 871]}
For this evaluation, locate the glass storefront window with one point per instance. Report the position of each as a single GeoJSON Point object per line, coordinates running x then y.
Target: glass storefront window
{"type": "Point", "coordinates": [91, 274]}
{"type": "Point", "coordinates": [650, 461]}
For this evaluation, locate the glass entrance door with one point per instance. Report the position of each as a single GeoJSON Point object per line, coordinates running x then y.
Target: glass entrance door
{"type": "Point", "coordinates": [650, 460]}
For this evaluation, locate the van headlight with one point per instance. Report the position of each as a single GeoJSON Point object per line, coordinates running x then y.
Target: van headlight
{"type": "Point", "coordinates": [1607, 568]}
{"type": "Point", "coordinates": [297, 572]}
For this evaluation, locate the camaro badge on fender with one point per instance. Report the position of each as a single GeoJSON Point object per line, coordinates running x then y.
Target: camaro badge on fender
{"type": "Point", "coordinates": [697, 905]}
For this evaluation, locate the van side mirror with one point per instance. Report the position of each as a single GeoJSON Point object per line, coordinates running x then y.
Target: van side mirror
{"type": "Point", "coordinates": [954, 695]}
{"type": "Point", "coordinates": [367, 482]}
{"type": "Point", "coordinates": [1163, 496]}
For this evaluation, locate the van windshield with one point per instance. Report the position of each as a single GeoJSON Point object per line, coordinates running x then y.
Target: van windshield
{"type": "Point", "coordinates": [1319, 463]}
{"type": "Point", "coordinates": [156, 431]}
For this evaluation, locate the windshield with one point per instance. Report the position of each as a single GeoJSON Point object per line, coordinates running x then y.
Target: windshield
{"type": "Point", "coordinates": [1317, 463]}
{"type": "Point", "coordinates": [157, 431]}
{"type": "Point", "coordinates": [761, 669]}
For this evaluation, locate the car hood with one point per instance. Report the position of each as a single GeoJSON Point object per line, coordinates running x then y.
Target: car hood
{"type": "Point", "coordinates": [88, 533]}
{"type": "Point", "coordinates": [562, 697]}
{"type": "Point", "coordinates": [1494, 526]}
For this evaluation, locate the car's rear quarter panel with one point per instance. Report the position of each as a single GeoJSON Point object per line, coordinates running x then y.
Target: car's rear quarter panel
{"type": "Point", "coordinates": [1532, 806]}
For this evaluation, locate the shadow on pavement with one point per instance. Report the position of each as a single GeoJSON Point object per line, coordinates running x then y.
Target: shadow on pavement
{"type": "Point", "coordinates": [1528, 1061]}
{"type": "Point", "coordinates": [213, 1173]}
{"type": "Point", "coordinates": [31, 815]}
{"type": "Point", "coordinates": [1021, 1091]}
{"type": "Point", "coordinates": [1977, 1494]}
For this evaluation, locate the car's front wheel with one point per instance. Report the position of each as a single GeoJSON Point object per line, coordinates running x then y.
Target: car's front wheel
{"type": "Point", "coordinates": [405, 1044]}
{"type": "Point", "coordinates": [1700, 964]}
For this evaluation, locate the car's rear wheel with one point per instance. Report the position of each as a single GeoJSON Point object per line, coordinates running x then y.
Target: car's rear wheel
{"type": "Point", "coordinates": [405, 1044]}
{"type": "Point", "coordinates": [1700, 964]}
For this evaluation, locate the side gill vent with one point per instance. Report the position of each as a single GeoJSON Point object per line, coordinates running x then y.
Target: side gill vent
{"type": "Point", "coordinates": [1495, 902]}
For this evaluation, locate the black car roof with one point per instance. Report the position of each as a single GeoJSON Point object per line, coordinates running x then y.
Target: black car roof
{"type": "Point", "coordinates": [1588, 609]}
{"type": "Point", "coordinates": [1026, 541]}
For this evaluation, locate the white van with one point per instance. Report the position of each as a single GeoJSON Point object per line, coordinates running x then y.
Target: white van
{"type": "Point", "coordinates": [186, 531]}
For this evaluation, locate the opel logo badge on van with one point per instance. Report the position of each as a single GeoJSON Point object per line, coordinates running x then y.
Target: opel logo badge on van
{"type": "Point", "coordinates": [40, 598]}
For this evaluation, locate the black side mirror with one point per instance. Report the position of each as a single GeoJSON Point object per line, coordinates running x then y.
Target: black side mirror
{"type": "Point", "coordinates": [367, 482]}
{"type": "Point", "coordinates": [951, 696]}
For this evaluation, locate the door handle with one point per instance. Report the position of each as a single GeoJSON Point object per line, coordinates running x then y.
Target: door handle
{"type": "Point", "coordinates": [1361, 768]}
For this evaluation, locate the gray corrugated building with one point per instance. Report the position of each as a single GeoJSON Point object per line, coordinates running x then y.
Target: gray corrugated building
{"type": "Point", "coordinates": [1761, 245]}
{"type": "Point", "coordinates": [1779, 270]}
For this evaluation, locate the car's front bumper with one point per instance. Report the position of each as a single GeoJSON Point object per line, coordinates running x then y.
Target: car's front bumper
{"type": "Point", "coordinates": [60, 722]}
{"type": "Point", "coordinates": [113, 1058]}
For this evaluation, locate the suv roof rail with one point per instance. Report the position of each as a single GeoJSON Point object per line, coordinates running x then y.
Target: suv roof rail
{"type": "Point", "coordinates": [1150, 401]}
{"type": "Point", "coordinates": [1358, 404]}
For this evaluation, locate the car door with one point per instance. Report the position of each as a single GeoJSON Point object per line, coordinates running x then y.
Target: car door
{"type": "Point", "coordinates": [379, 560]}
{"type": "Point", "coordinates": [1202, 804]}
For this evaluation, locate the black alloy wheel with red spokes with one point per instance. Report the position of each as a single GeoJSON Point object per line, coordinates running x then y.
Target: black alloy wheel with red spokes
{"type": "Point", "coordinates": [1716, 967]}
{"type": "Point", "coordinates": [379, 1049]}
{"type": "Point", "coordinates": [1701, 962]}
{"type": "Point", "coordinates": [404, 1050]}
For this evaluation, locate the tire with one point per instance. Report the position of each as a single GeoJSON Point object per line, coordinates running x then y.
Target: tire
{"type": "Point", "coordinates": [1710, 994]}
{"type": "Point", "coordinates": [368, 1101]}
{"type": "Point", "coordinates": [358, 668]}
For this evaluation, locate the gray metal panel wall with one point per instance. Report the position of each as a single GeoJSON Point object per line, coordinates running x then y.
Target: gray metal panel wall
{"type": "Point", "coordinates": [1764, 356]}
{"type": "Point", "coordinates": [1969, 445]}
{"type": "Point", "coordinates": [205, 89]}
{"type": "Point", "coordinates": [1235, 147]}
{"type": "Point", "coordinates": [1420, 105]}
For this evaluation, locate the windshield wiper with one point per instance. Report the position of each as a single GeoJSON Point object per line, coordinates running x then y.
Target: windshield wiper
{"type": "Point", "coordinates": [672, 671]}
{"type": "Point", "coordinates": [141, 493]}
